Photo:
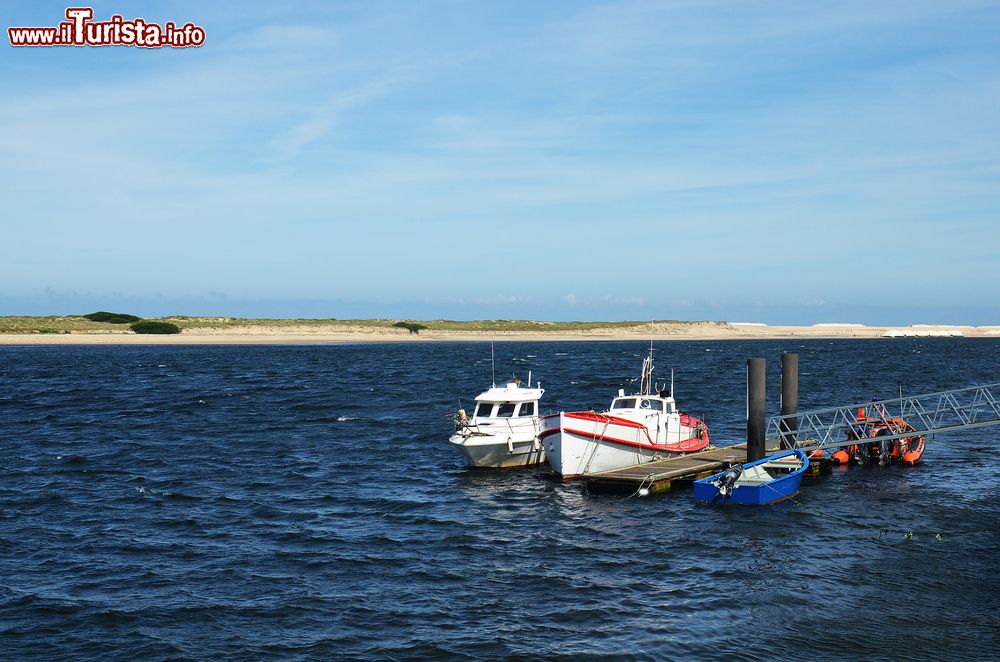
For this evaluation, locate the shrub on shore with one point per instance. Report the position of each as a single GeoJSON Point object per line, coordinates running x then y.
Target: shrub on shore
{"type": "Point", "coordinates": [112, 318]}
{"type": "Point", "coordinates": [155, 327]}
{"type": "Point", "coordinates": [412, 327]}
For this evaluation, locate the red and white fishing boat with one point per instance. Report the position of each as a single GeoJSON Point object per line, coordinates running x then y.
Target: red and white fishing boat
{"type": "Point", "coordinates": [636, 429]}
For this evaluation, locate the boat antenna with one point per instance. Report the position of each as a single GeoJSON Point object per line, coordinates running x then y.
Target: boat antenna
{"type": "Point", "coordinates": [493, 363]}
{"type": "Point", "coordinates": [671, 382]}
{"type": "Point", "coordinates": [646, 378]}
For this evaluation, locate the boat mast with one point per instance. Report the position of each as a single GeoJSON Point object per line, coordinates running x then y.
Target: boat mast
{"type": "Point", "coordinates": [493, 364]}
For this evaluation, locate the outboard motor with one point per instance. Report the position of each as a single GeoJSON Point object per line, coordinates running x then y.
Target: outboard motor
{"type": "Point", "coordinates": [884, 446]}
{"type": "Point", "coordinates": [725, 482]}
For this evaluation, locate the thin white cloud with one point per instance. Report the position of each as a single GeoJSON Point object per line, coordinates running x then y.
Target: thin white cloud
{"type": "Point", "coordinates": [321, 119]}
{"type": "Point", "coordinates": [503, 300]}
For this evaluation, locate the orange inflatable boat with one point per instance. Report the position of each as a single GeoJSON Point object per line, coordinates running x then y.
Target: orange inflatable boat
{"type": "Point", "coordinates": [871, 449]}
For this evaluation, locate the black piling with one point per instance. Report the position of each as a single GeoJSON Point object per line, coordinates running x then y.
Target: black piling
{"type": "Point", "coordinates": [756, 402]}
{"type": "Point", "coordinates": [789, 399]}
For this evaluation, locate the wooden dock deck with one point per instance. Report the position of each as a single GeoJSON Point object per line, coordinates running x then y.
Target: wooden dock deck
{"type": "Point", "coordinates": [663, 475]}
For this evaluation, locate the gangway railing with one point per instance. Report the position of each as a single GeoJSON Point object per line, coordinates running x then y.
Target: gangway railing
{"type": "Point", "coordinates": [930, 413]}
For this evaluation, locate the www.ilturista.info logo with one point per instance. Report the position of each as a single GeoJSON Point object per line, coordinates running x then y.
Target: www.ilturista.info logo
{"type": "Point", "coordinates": [81, 30]}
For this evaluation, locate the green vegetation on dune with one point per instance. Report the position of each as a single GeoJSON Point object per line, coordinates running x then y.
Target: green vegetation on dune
{"type": "Point", "coordinates": [112, 318]}
{"type": "Point", "coordinates": [81, 324]}
{"type": "Point", "coordinates": [510, 326]}
{"type": "Point", "coordinates": [412, 327]}
{"type": "Point", "coordinates": [55, 324]}
{"type": "Point", "coordinates": [155, 327]}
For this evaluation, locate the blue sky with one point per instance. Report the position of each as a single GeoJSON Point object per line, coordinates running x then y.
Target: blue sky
{"type": "Point", "coordinates": [750, 161]}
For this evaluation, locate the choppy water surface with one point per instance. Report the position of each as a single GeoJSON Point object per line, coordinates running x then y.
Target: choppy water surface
{"type": "Point", "coordinates": [301, 502]}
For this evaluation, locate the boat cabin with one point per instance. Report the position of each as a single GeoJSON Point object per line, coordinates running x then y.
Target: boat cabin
{"type": "Point", "coordinates": [508, 401]}
{"type": "Point", "coordinates": [650, 403]}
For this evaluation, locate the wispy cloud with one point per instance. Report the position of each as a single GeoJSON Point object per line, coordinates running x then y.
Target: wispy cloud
{"type": "Point", "coordinates": [321, 119]}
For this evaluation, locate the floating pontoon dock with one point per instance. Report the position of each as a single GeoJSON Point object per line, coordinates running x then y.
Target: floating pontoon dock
{"type": "Point", "coordinates": [818, 429]}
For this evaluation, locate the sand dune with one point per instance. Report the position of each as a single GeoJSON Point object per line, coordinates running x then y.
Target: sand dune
{"type": "Point", "coordinates": [359, 333]}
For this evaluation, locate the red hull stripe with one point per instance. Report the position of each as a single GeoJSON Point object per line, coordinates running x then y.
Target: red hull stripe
{"type": "Point", "coordinates": [594, 417]}
{"type": "Point", "coordinates": [683, 446]}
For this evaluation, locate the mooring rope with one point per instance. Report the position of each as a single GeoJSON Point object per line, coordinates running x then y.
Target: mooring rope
{"type": "Point", "coordinates": [593, 452]}
{"type": "Point", "coordinates": [642, 486]}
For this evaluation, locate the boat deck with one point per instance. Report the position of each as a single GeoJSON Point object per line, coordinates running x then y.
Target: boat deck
{"type": "Point", "coordinates": [664, 475]}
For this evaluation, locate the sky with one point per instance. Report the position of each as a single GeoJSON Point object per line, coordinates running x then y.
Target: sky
{"type": "Point", "coordinates": [779, 162]}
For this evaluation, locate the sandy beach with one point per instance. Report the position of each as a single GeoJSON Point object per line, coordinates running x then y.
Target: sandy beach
{"type": "Point", "coordinates": [262, 334]}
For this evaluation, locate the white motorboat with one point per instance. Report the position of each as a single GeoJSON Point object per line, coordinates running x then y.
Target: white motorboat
{"type": "Point", "coordinates": [636, 429]}
{"type": "Point", "coordinates": [503, 430]}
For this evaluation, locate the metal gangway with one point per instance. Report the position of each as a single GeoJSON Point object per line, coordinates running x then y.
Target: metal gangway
{"type": "Point", "coordinates": [931, 413]}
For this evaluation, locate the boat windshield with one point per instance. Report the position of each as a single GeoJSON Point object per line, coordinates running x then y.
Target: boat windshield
{"type": "Point", "coordinates": [506, 410]}
{"type": "Point", "coordinates": [527, 409]}
{"type": "Point", "coordinates": [623, 403]}
{"type": "Point", "coordinates": [484, 409]}
{"type": "Point", "coordinates": [655, 405]}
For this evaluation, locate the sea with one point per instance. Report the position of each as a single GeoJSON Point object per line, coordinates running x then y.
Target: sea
{"type": "Point", "coordinates": [303, 503]}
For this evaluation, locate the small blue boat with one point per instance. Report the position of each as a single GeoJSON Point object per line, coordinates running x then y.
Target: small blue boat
{"type": "Point", "coordinates": [757, 483]}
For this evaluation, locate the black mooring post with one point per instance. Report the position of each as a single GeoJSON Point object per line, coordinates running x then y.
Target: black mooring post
{"type": "Point", "coordinates": [756, 401]}
{"type": "Point", "coordinates": [789, 399]}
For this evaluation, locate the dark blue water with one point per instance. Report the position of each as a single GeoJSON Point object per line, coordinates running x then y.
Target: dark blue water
{"type": "Point", "coordinates": [301, 502]}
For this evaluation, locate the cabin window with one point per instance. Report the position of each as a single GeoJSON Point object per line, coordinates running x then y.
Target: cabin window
{"type": "Point", "coordinates": [655, 405]}
{"type": "Point", "coordinates": [506, 410]}
{"type": "Point", "coordinates": [527, 409]}
{"type": "Point", "coordinates": [623, 403]}
{"type": "Point", "coordinates": [484, 409]}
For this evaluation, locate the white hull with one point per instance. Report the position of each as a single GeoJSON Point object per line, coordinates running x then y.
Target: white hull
{"type": "Point", "coordinates": [571, 455]}
{"type": "Point", "coordinates": [576, 446]}
{"type": "Point", "coordinates": [493, 452]}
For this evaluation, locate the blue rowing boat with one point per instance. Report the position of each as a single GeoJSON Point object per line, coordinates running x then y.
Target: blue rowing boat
{"type": "Point", "coordinates": [757, 483]}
